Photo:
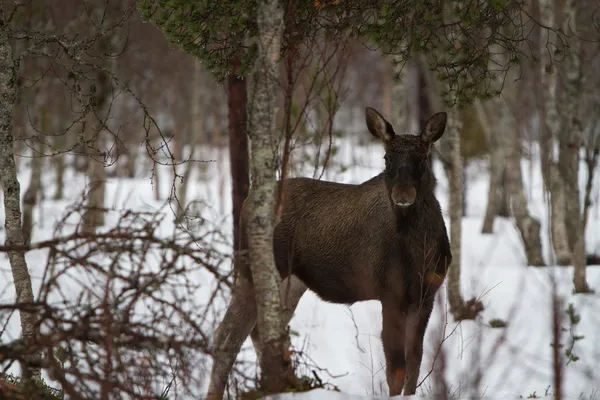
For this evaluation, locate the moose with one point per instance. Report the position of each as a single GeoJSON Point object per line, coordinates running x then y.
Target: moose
{"type": "Point", "coordinates": [384, 239]}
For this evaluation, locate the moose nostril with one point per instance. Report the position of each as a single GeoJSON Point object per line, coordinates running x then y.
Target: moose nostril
{"type": "Point", "coordinates": [403, 196]}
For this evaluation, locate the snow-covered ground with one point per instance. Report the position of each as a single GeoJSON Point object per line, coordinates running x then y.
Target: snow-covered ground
{"type": "Point", "coordinates": [344, 341]}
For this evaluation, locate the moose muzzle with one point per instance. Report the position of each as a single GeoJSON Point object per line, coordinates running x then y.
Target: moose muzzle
{"type": "Point", "coordinates": [404, 196]}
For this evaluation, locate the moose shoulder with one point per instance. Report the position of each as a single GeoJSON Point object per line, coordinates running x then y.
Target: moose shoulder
{"type": "Point", "coordinates": [384, 239]}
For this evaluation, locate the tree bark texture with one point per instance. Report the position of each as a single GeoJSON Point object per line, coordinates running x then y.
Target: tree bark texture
{"type": "Point", "coordinates": [12, 191]}
{"type": "Point", "coordinates": [412, 90]}
{"type": "Point", "coordinates": [505, 149]}
{"type": "Point", "coordinates": [239, 319]}
{"type": "Point", "coordinates": [425, 107]}
{"type": "Point", "coordinates": [95, 210]}
{"type": "Point", "coordinates": [570, 144]}
{"type": "Point", "coordinates": [454, 172]}
{"type": "Point", "coordinates": [30, 199]}
{"type": "Point", "coordinates": [275, 361]}
{"type": "Point", "coordinates": [60, 166]}
{"type": "Point", "coordinates": [94, 215]}
{"type": "Point", "coordinates": [549, 130]}
{"type": "Point", "coordinates": [398, 117]}
{"type": "Point", "coordinates": [497, 159]}
{"type": "Point", "coordinates": [528, 226]}
{"type": "Point", "coordinates": [238, 153]}
{"type": "Point", "coordinates": [453, 166]}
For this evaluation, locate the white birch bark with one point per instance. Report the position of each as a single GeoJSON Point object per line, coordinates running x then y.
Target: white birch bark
{"type": "Point", "coordinates": [275, 359]}
{"type": "Point", "coordinates": [571, 139]}
{"type": "Point", "coordinates": [454, 171]}
{"type": "Point", "coordinates": [549, 130]}
{"type": "Point", "coordinates": [12, 190]}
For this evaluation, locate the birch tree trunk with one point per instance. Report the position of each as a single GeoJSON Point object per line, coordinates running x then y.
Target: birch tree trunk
{"type": "Point", "coordinates": [570, 144]}
{"type": "Point", "coordinates": [505, 147]}
{"type": "Point", "coordinates": [94, 215]}
{"type": "Point", "coordinates": [451, 158]}
{"type": "Point", "coordinates": [452, 162]}
{"type": "Point", "coordinates": [30, 198]}
{"type": "Point", "coordinates": [454, 172]}
{"type": "Point", "coordinates": [549, 129]}
{"type": "Point", "coordinates": [398, 112]}
{"type": "Point", "coordinates": [12, 192]}
{"type": "Point", "coordinates": [497, 158]}
{"type": "Point", "coordinates": [412, 91]}
{"type": "Point", "coordinates": [58, 161]}
{"type": "Point", "coordinates": [275, 362]}
{"type": "Point", "coordinates": [528, 226]}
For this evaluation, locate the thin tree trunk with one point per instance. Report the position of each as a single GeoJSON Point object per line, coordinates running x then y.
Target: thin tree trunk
{"type": "Point", "coordinates": [58, 161]}
{"type": "Point", "coordinates": [197, 132]}
{"type": "Point", "coordinates": [503, 209]}
{"type": "Point", "coordinates": [156, 177]}
{"type": "Point", "coordinates": [454, 172]}
{"type": "Point", "coordinates": [570, 144]}
{"type": "Point", "coordinates": [30, 199]}
{"type": "Point", "coordinates": [412, 90]}
{"type": "Point", "coordinates": [528, 226]}
{"type": "Point", "coordinates": [131, 145]}
{"type": "Point", "coordinates": [398, 116]}
{"type": "Point", "coordinates": [12, 192]}
{"type": "Point", "coordinates": [497, 162]}
{"type": "Point", "coordinates": [231, 326]}
{"type": "Point", "coordinates": [61, 166]}
{"type": "Point", "coordinates": [591, 160]}
{"type": "Point", "coordinates": [238, 155]}
{"type": "Point", "coordinates": [425, 107]}
{"type": "Point", "coordinates": [132, 152]}
{"type": "Point", "coordinates": [505, 141]}
{"type": "Point", "coordinates": [275, 361]}
{"type": "Point", "coordinates": [187, 173]}
{"type": "Point", "coordinates": [453, 166]}
{"type": "Point", "coordinates": [464, 189]}
{"type": "Point", "coordinates": [94, 214]}
{"type": "Point", "coordinates": [549, 128]}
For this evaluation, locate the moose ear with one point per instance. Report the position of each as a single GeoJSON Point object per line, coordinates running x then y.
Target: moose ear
{"type": "Point", "coordinates": [434, 128]}
{"type": "Point", "coordinates": [377, 125]}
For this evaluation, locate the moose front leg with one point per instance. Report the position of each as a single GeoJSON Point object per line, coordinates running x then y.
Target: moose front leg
{"type": "Point", "coordinates": [393, 337]}
{"type": "Point", "coordinates": [416, 324]}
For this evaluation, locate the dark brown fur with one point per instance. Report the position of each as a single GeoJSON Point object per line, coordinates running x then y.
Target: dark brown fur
{"type": "Point", "coordinates": [350, 243]}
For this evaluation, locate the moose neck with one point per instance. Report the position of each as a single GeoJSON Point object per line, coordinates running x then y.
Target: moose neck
{"type": "Point", "coordinates": [407, 218]}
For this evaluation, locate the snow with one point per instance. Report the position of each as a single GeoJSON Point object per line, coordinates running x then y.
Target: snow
{"type": "Point", "coordinates": [343, 341]}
